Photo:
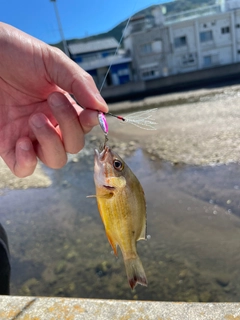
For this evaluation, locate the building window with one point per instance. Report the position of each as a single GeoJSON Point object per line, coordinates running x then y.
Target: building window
{"type": "Point", "coordinates": [206, 36]}
{"type": "Point", "coordinates": [210, 60]}
{"type": "Point", "coordinates": [123, 72]}
{"type": "Point", "coordinates": [238, 25]}
{"type": "Point", "coordinates": [225, 30]}
{"type": "Point", "coordinates": [150, 73]}
{"type": "Point", "coordinates": [207, 61]}
{"type": "Point", "coordinates": [146, 48]}
{"type": "Point", "coordinates": [180, 41]}
{"type": "Point", "coordinates": [105, 54]}
{"type": "Point", "coordinates": [157, 46]}
{"type": "Point", "coordinates": [188, 60]}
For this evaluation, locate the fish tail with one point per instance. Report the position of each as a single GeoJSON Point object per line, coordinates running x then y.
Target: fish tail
{"type": "Point", "coordinates": [135, 272]}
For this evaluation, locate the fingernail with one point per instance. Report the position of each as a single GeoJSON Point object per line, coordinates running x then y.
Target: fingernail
{"type": "Point", "coordinates": [55, 100]}
{"type": "Point", "coordinates": [24, 145]}
{"type": "Point", "coordinates": [38, 120]}
{"type": "Point", "coordinates": [93, 118]}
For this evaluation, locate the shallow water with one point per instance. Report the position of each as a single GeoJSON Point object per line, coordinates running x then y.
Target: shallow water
{"type": "Point", "coordinates": [59, 247]}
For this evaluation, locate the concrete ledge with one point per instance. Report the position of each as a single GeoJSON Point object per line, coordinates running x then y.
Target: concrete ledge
{"type": "Point", "coordinates": [36, 308]}
{"type": "Point", "coordinates": [173, 83]}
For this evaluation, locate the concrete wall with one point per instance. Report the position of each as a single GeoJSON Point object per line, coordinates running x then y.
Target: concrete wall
{"type": "Point", "coordinates": [200, 77]}
{"type": "Point", "coordinates": [184, 81]}
{"type": "Point", "coordinates": [131, 89]}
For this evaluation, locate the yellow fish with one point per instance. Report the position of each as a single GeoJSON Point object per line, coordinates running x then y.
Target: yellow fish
{"type": "Point", "coordinates": [122, 206]}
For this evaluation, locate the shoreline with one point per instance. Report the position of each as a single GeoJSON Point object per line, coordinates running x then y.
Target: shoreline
{"type": "Point", "coordinates": [173, 99]}
{"type": "Point", "coordinates": [200, 127]}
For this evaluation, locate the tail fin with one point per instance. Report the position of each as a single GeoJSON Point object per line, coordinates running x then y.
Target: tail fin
{"type": "Point", "coordinates": [135, 272]}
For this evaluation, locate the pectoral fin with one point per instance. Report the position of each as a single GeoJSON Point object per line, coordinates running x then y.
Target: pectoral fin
{"type": "Point", "coordinates": [116, 182]}
{"type": "Point", "coordinates": [106, 196]}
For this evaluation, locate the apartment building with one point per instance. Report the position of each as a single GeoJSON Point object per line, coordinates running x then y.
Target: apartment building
{"type": "Point", "coordinates": [147, 42]}
{"type": "Point", "coordinates": [189, 41]}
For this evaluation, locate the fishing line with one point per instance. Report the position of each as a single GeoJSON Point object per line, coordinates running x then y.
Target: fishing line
{"type": "Point", "coordinates": [101, 116]}
{"type": "Point", "coordinates": [119, 44]}
{"type": "Point", "coordinates": [140, 119]}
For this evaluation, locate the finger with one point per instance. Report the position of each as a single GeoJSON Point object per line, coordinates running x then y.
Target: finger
{"type": "Point", "coordinates": [88, 119]}
{"type": "Point", "coordinates": [67, 118]}
{"type": "Point", "coordinates": [49, 147]}
{"type": "Point", "coordinates": [72, 78]}
{"type": "Point", "coordinates": [26, 159]}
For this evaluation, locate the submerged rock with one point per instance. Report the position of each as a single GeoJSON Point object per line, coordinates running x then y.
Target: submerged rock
{"type": "Point", "coordinates": [60, 267]}
{"type": "Point", "coordinates": [223, 280]}
{"type": "Point", "coordinates": [103, 268]}
{"type": "Point", "coordinates": [27, 286]}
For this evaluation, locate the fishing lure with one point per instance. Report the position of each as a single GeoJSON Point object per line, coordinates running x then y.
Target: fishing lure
{"type": "Point", "coordinates": [103, 122]}
{"type": "Point", "coordinates": [142, 119]}
{"type": "Point", "coordinates": [104, 125]}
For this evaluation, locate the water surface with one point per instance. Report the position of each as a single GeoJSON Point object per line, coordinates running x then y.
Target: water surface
{"type": "Point", "coordinates": [59, 247]}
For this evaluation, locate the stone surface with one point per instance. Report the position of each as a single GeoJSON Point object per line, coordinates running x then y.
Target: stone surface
{"type": "Point", "coordinates": [26, 308]}
{"type": "Point", "coordinates": [38, 179]}
{"type": "Point", "coordinates": [12, 307]}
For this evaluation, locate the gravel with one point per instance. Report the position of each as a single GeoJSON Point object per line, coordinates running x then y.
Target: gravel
{"type": "Point", "coordinates": [8, 180]}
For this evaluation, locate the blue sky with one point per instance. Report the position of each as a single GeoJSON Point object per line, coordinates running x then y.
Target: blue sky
{"type": "Point", "coordinates": [79, 18]}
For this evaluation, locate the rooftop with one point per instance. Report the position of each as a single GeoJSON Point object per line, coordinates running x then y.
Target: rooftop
{"type": "Point", "coordinates": [104, 62]}
{"type": "Point", "coordinates": [93, 46]}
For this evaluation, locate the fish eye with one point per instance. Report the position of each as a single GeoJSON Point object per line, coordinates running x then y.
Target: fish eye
{"type": "Point", "coordinates": [118, 165]}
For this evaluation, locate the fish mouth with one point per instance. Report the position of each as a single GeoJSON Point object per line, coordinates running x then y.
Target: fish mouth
{"type": "Point", "coordinates": [100, 167]}
{"type": "Point", "coordinates": [109, 187]}
{"type": "Point", "coordinates": [101, 156]}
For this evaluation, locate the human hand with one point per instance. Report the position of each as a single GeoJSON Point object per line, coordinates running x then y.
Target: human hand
{"type": "Point", "coordinates": [38, 117]}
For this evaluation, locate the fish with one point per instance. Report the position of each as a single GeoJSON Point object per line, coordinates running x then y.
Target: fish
{"type": "Point", "coordinates": [122, 207]}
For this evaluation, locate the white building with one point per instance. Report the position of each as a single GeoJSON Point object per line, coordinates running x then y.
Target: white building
{"type": "Point", "coordinates": [184, 42]}
{"type": "Point", "coordinates": [147, 41]}
{"type": "Point", "coordinates": [97, 56]}
{"type": "Point", "coordinates": [205, 42]}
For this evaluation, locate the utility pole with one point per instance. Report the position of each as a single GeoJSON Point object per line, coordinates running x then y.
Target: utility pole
{"type": "Point", "coordinates": [65, 47]}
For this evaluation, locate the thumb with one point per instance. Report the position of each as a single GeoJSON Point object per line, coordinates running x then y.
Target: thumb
{"type": "Point", "coordinates": [70, 77]}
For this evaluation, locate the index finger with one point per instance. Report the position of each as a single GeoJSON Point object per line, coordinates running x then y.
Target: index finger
{"type": "Point", "coordinates": [70, 77]}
